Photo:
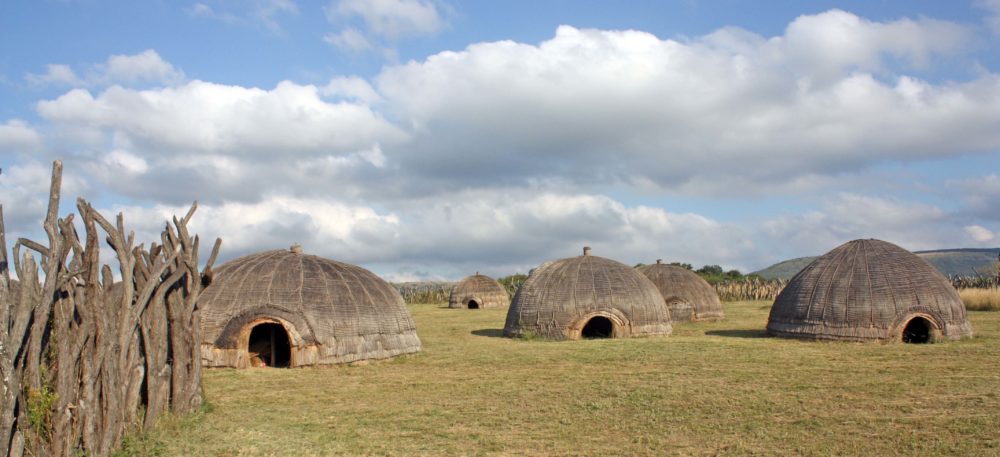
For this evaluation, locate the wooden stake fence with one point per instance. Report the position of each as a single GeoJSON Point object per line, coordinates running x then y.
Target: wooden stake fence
{"type": "Point", "coordinates": [85, 358]}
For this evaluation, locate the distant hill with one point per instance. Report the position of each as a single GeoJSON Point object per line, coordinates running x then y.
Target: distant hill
{"type": "Point", "coordinates": [785, 269]}
{"type": "Point", "coordinates": [951, 262]}
{"type": "Point", "coordinates": [962, 262]}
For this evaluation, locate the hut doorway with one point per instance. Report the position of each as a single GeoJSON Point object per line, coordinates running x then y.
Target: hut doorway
{"type": "Point", "coordinates": [917, 331]}
{"type": "Point", "coordinates": [268, 345]}
{"type": "Point", "coordinates": [597, 327]}
{"type": "Point", "coordinates": [473, 304]}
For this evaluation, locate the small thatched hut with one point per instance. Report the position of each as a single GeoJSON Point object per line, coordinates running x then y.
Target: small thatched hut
{"type": "Point", "coordinates": [587, 297]}
{"type": "Point", "coordinates": [869, 290]}
{"type": "Point", "coordinates": [478, 291]}
{"type": "Point", "coordinates": [286, 308]}
{"type": "Point", "coordinates": [689, 297]}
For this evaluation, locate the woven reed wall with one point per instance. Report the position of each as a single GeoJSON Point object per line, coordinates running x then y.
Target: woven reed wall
{"type": "Point", "coordinates": [558, 294]}
{"type": "Point", "coordinates": [689, 297]}
{"type": "Point", "coordinates": [486, 291]}
{"type": "Point", "coordinates": [334, 312]}
{"type": "Point", "coordinates": [866, 290]}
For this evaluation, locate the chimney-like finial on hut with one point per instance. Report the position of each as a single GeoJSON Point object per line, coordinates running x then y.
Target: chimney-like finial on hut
{"type": "Point", "coordinates": [586, 250]}
{"type": "Point", "coordinates": [659, 261]}
{"type": "Point", "coordinates": [296, 248]}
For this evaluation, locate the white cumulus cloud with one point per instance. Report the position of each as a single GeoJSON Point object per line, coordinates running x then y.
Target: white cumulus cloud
{"type": "Point", "coordinates": [992, 18]}
{"type": "Point", "coordinates": [146, 67]}
{"type": "Point", "coordinates": [849, 216]}
{"type": "Point", "coordinates": [17, 136]}
{"type": "Point", "coordinates": [261, 13]}
{"type": "Point", "coordinates": [391, 19]}
{"type": "Point", "coordinates": [614, 106]}
{"type": "Point", "coordinates": [349, 39]}
{"type": "Point", "coordinates": [501, 155]}
{"type": "Point", "coordinates": [290, 119]}
{"type": "Point", "coordinates": [980, 234]}
{"type": "Point", "coordinates": [56, 75]}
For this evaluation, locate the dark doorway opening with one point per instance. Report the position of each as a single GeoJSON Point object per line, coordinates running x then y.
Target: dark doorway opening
{"type": "Point", "coordinates": [473, 304]}
{"type": "Point", "coordinates": [269, 346]}
{"type": "Point", "coordinates": [597, 327]}
{"type": "Point", "coordinates": [917, 331]}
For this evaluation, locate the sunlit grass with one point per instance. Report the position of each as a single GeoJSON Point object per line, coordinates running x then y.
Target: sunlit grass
{"type": "Point", "coordinates": [710, 388]}
{"type": "Point", "coordinates": [981, 299]}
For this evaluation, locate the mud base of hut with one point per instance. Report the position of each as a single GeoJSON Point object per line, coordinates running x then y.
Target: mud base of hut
{"type": "Point", "coordinates": [343, 350]}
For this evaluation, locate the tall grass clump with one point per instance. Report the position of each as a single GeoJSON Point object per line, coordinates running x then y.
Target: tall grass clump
{"type": "Point", "coordinates": [981, 299]}
{"type": "Point", "coordinates": [750, 288]}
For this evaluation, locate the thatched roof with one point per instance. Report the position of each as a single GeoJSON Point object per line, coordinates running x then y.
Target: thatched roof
{"type": "Point", "coordinates": [559, 298]}
{"type": "Point", "coordinates": [867, 290]}
{"type": "Point", "coordinates": [689, 297]}
{"type": "Point", "coordinates": [333, 312]}
{"type": "Point", "coordinates": [478, 291]}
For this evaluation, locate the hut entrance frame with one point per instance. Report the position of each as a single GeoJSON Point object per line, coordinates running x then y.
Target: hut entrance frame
{"type": "Point", "coordinates": [600, 324]}
{"type": "Point", "coordinates": [597, 327]}
{"type": "Point", "coordinates": [473, 303]}
{"type": "Point", "coordinates": [270, 340]}
{"type": "Point", "coordinates": [918, 329]}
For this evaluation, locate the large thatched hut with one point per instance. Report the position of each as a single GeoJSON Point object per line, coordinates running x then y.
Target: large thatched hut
{"type": "Point", "coordinates": [587, 297]}
{"type": "Point", "coordinates": [478, 291]}
{"type": "Point", "coordinates": [869, 290]}
{"type": "Point", "coordinates": [286, 308]}
{"type": "Point", "coordinates": [689, 297]}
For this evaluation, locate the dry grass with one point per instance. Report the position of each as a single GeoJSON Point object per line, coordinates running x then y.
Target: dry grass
{"type": "Point", "coordinates": [981, 299]}
{"type": "Point", "coordinates": [709, 389]}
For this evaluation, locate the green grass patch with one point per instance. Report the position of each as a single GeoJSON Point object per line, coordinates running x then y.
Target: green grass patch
{"type": "Point", "coordinates": [710, 388]}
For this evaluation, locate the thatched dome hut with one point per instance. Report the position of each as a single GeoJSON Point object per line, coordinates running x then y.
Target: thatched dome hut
{"type": "Point", "coordinates": [868, 290]}
{"type": "Point", "coordinates": [689, 297]}
{"type": "Point", "coordinates": [478, 291]}
{"type": "Point", "coordinates": [587, 297]}
{"type": "Point", "coordinates": [286, 308]}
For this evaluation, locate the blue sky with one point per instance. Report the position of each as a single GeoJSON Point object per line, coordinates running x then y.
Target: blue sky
{"type": "Point", "coordinates": [428, 139]}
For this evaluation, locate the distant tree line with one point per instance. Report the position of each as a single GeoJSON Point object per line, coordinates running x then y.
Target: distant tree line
{"type": "Point", "coordinates": [714, 274]}
{"type": "Point", "coordinates": [512, 282]}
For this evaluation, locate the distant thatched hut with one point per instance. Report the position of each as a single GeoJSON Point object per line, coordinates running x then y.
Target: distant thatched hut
{"type": "Point", "coordinates": [869, 290]}
{"type": "Point", "coordinates": [478, 291]}
{"type": "Point", "coordinates": [587, 297]}
{"type": "Point", "coordinates": [689, 297]}
{"type": "Point", "coordinates": [286, 308]}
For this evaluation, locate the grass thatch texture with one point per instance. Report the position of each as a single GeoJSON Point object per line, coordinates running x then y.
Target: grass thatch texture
{"type": "Point", "coordinates": [710, 388]}
{"type": "Point", "coordinates": [981, 299]}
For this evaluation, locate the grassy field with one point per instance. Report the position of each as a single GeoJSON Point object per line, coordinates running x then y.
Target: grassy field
{"type": "Point", "coordinates": [710, 388]}
{"type": "Point", "coordinates": [981, 299]}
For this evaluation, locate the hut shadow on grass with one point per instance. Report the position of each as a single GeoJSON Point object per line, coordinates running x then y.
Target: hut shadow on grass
{"type": "Point", "coordinates": [740, 333]}
{"type": "Point", "coordinates": [490, 332]}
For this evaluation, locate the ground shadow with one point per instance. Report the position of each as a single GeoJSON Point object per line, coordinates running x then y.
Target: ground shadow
{"type": "Point", "coordinates": [742, 333]}
{"type": "Point", "coordinates": [491, 332]}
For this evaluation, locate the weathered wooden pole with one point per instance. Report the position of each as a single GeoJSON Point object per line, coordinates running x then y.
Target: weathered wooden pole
{"type": "Point", "coordinates": [81, 355]}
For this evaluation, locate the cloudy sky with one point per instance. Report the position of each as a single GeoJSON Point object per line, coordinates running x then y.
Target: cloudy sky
{"type": "Point", "coordinates": [428, 139]}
